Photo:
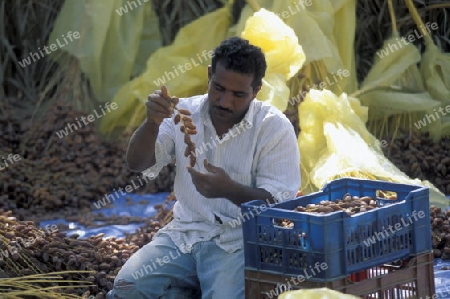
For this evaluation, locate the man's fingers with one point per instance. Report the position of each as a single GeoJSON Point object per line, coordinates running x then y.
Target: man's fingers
{"type": "Point", "coordinates": [175, 100]}
{"type": "Point", "coordinates": [209, 166]}
{"type": "Point", "coordinates": [196, 175]}
{"type": "Point", "coordinates": [159, 100]}
{"type": "Point", "coordinates": [193, 171]}
{"type": "Point", "coordinates": [158, 108]}
{"type": "Point", "coordinates": [165, 92]}
{"type": "Point", "coordinates": [160, 105]}
{"type": "Point", "coordinates": [158, 114]}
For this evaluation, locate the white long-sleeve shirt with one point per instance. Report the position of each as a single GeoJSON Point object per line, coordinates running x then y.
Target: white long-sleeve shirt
{"type": "Point", "coordinates": [261, 152]}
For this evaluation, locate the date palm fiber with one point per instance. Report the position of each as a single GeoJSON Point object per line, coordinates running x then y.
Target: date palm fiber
{"type": "Point", "coordinates": [394, 90]}
{"type": "Point", "coordinates": [435, 70]}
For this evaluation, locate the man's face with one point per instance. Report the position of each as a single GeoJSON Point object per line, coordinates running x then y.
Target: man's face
{"type": "Point", "coordinates": [229, 95]}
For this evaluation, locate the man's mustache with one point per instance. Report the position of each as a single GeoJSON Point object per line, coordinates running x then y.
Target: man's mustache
{"type": "Point", "coordinates": [223, 109]}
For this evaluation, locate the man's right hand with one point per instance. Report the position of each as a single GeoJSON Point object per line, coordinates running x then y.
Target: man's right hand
{"type": "Point", "coordinates": [160, 105]}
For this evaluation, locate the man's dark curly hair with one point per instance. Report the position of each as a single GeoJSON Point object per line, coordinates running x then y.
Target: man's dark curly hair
{"type": "Point", "coordinates": [238, 55]}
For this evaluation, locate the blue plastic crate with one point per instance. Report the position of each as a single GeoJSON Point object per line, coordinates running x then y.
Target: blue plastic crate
{"type": "Point", "coordinates": [398, 229]}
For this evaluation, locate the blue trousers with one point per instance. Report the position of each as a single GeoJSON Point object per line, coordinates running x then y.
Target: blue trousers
{"type": "Point", "coordinates": [161, 270]}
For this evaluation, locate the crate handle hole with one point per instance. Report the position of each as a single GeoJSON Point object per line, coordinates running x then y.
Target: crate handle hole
{"type": "Point", "coordinates": [386, 194]}
{"type": "Point", "coordinates": [283, 223]}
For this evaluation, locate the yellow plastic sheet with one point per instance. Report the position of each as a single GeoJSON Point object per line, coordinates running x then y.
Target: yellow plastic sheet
{"type": "Point", "coordinates": [335, 143]}
{"type": "Point", "coordinates": [284, 56]}
{"type": "Point", "coordinates": [322, 293]}
{"type": "Point", "coordinates": [313, 22]}
{"type": "Point", "coordinates": [181, 66]}
{"type": "Point", "coordinates": [277, 40]}
{"type": "Point", "coordinates": [115, 38]}
{"type": "Point", "coordinates": [308, 23]}
{"type": "Point", "coordinates": [345, 16]}
{"type": "Point", "coordinates": [246, 13]}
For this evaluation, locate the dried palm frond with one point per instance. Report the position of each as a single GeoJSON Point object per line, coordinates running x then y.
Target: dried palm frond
{"type": "Point", "coordinates": [49, 285]}
{"type": "Point", "coordinates": [23, 31]}
{"type": "Point", "coordinates": [29, 75]}
{"type": "Point", "coordinates": [174, 14]}
{"type": "Point", "coordinates": [374, 27]}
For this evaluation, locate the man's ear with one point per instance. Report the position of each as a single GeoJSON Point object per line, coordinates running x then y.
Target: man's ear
{"type": "Point", "coordinates": [209, 72]}
{"type": "Point", "coordinates": [256, 91]}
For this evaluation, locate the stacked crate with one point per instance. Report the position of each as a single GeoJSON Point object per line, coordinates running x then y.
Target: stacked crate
{"type": "Point", "coordinates": [351, 254]}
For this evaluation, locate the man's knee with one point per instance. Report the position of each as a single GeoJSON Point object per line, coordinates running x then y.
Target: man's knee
{"type": "Point", "coordinates": [128, 287]}
{"type": "Point", "coordinates": [156, 287]}
{"type": "Point", "coordinates": [155, 270]}
{"type": "Point", "coordinates": [153, 282]}
{"type": "Point", "coordinates": [122, 289]}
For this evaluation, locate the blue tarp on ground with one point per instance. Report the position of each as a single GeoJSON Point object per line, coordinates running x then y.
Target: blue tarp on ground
{"type": "Point", "coordinates": [123, 208]}
{"type": "Point", "coordinates": [442, 279]}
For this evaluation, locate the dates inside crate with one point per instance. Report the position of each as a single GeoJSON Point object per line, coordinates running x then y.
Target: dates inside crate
{"type": "Point", "coordinates": [349, 204]}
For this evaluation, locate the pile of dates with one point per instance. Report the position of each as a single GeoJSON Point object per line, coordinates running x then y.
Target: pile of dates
{"type": "Point", "coordinates": [440, 232]}
{"type": "Point", "coordinates": [349, 204]}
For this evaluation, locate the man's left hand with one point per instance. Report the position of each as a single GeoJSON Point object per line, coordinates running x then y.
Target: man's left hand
{"type": "Point", "coordinates": [214, 183]}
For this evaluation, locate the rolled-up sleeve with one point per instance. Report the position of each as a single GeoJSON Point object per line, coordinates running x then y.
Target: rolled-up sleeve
{"type": "Point", "coordinates": [278, 168]}
{"type": "Point", "coordinates": [164, 148]}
